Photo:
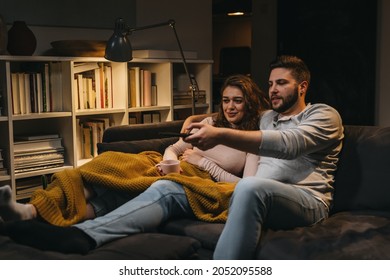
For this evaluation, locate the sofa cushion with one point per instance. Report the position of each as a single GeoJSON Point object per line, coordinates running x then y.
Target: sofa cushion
{"type": "Point", "coordinates": [345, 235]}
{"type": "Point", "coordinates": [362, 179]}
{"type": "Point", "coordinates": [206, 233]}
{"type": "Point", "coordinates": [137, 146]}
{"type": "Point", "coordinates": [138, 246]}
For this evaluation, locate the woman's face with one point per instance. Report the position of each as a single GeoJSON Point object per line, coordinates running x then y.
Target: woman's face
{"type": "Point", "coordinates": [233, 104]}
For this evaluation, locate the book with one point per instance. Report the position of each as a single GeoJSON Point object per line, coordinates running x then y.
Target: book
{"type": "Point", "coordinates": [98, 90]}
{"type": "Point", "coordinates": [146, 117]}
{"type": "Point", "coordinates": [80, 92]}
{"type": "Point", "coordinates": [87, 142]}
{"type": "Point", "coordinates": [83, 67]}
{"type": "Point", "coordinates": [29, 169]}
{"type": "Point", "coordinates": [108, 100]}
{"type": "Point", "coordinates": [39, 91]}
{"type": "Point", "coordinates": [91, 81]}
{"type": "Point", "coordinates": [27, 92]}
{"type": "Point", "coordinates": [90, 93]}
{"type": "Point", "coordinates": [56, 86]}
{"type": "Point", "coordinates": [3, 171]}
{"type": "Point", "coordinates": [154, 95]}
{"type": "Point", "coordinates": [102, 87]}
{"type": "Point", "coordinates": [22, 96]}
{"type": "Point", "coordinates": [96, 134]}
{"type": "Point", "coordinates": [36, 137]}
{"type": "Point", "coordinates": [37, 145]}
{"type": "Point", "coordinates": [46, 95]}
{"type": "Point", "coordinates": [156, 117]}
{"type": "Point", "coordinates": [135, 85]}
{"type": "Point", "coordinates": [33, 93]}
{"type": "Point", "coordinates": [15, 94]}
{"type": "Point", "coordinates": [132, 88]}
{"type": "Point", "coordinates": [76, 93]}
{"type": "Point", "coordinates": [147, 88]}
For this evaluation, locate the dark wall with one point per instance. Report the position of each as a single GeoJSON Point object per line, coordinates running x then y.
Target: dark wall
{"type": "Point", "coordinates": [69, 13]}
{"type": "Point", "coordinates": [337, 39]}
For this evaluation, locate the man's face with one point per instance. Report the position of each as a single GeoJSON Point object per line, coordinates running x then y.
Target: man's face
{"type": "Point", "coordinates": [283, 91]}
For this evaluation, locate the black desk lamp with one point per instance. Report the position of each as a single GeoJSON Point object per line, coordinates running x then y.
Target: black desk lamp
{"type": "Point", "coordinates": [119, 49]}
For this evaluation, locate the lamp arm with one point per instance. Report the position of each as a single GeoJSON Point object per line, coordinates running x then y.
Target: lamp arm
{"type": "Point", "coordinates": [171, 23]}
{"type": "Point", "coordinates": [165, 23]}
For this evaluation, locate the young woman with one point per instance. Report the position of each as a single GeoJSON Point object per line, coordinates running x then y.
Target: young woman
{"type": "Point", "coordinates": [241, 108]}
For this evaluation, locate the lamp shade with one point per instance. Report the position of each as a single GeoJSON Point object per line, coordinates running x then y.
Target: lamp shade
{"type": "Point", "coordinates": [118, 47]}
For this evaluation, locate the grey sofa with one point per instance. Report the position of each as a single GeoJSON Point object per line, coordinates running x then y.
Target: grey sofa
{"type": "Point", "coordinates": [358, 227]}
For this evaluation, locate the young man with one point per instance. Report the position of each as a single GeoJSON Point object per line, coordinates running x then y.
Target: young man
{"type": "Point", "coordinates": [241, 108]}
{"type": "Point", "coordinates": [298, 144]}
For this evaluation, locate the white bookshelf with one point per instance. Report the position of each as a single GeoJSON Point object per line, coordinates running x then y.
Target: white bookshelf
{"type": "Point", "coordinates": [66, 121]}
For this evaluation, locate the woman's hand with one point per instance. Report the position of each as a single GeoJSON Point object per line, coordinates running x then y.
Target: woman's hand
{"type": "Point", "coordinates": [192, 157]}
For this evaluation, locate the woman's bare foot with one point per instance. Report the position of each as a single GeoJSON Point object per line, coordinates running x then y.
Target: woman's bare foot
{"type": "Point", "coordinates": [12, 210]}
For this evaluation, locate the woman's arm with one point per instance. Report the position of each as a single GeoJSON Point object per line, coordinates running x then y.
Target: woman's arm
{"type": "Point", "coordinates": [175, 150]}
{"type": "Point", "coordinates": [216, 172]}
{"type": "Point", "coordinates": [221, 175]}
{"type": "Point", "coordinates": [251, 165]}
{"type": "Point", "coordinates": [195, 118]}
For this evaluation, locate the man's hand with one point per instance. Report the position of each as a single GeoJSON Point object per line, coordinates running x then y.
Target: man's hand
{"type": "Point", "coordinates": [205, 138]}
{"type": "Point", "coordinates": [209, 136]}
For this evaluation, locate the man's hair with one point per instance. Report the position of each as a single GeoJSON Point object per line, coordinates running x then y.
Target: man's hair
{"type": "Point", "coordinates": [297, 66]}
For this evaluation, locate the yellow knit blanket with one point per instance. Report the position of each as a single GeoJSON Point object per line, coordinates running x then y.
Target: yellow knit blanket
{"type": "Point", "coordinates": [63, 202]}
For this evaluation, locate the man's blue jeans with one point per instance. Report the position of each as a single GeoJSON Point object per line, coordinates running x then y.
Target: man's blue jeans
{"type": "Point", "coordinates": [161, 201]}
{"type": "Point", "coordinates": [257, 202]}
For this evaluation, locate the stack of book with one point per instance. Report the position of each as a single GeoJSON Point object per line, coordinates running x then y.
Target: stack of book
{"type": "Point", "coordinates": [185, 97]}
{"type": "Point", "coordinates": [38, 152]}
{"type": "Point", "coordinates": [3, 170]}
{"type": "Point", "coordinates": [25, 187]}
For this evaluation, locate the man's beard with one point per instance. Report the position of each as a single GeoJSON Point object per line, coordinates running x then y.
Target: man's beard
{"type": "Point", "coordinates": [288, 102]}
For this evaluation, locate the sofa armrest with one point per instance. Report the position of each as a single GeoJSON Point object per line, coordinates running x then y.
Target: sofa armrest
{"type": "Point", "coordinates": [140, 132]}
{"type": "Point", "coordinates": [139, 138]}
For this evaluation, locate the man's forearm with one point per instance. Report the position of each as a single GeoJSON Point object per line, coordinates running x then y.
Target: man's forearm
{"type": "Point", "coordinates": [247, 141]}
{"type": "Point", "coordinates": [208, 136]}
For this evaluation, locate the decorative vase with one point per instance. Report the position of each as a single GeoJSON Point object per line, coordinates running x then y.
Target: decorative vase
{"type": "Point", "coordinates": [21, 40]}
{"type": "Point", "coordinates": [3, 36]}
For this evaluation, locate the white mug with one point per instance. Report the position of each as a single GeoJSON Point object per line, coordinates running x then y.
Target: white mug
{"type": "Point", "coordinates": [169, 166]}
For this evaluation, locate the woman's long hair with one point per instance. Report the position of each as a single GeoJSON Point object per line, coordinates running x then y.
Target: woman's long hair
{"type": "Point", "coordinates": [256, 101]}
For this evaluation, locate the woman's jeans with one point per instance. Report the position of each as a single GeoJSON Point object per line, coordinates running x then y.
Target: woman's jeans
{"type": "Point", "coordinates": [161, 201]}
{"type": "Point", "coordinates": [256, 202]}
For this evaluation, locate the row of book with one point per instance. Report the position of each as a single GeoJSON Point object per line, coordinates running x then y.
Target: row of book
{"type": "Point", "coordinates": [3, 169]}
{"type": "Point", "coordinates": [38, 152]}
{"type": "Point", "coordinates": [93, 85]}
{"type": "Point", "coordinates": [142, 87]}
{"type": "Point", "coordinates": [90, 134]}
{"type": "Point", "coordinates": [185, 97]}
{"type": "Point", "coordinates": [145, 117]}
{"type": "Point", "coordinates": [37, 88]}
